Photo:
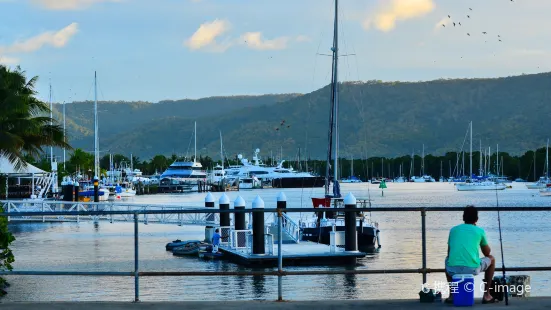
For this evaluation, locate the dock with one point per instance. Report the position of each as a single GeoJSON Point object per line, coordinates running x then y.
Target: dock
{"type": "Point", "coordinates": [294, 254]}
{"type": "Point", "coordinates": [531, 303]}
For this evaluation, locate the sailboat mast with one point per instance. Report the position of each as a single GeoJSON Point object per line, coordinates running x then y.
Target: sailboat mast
{"type": "Point", "coordinates": [471, 156]}
{"type": "Point", "coordinates": [195, 134]}
{"type": "Point", "coordinates": [221, 151]}
{"type": "Point", "coordinates": [423, 162]}
{"type": "Point", "coordinates": [336, 87]}
{"type": "Point", "coordinates": [497, 159]}
{"type": "Point", "coordinates": [51, 122]}
{"type": "Point", "coordinates": [480, 169]}
{"type": "Point", "coordinates": [64, 135]}
{"type": "Point", "coordinates": [547, 160]}
{"type": "Point", "coordinates": [96, 139]}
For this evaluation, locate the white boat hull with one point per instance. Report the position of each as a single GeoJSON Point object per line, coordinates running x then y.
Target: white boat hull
{"type": "Point", "coordinates": [479, 187]}
{"type": "Point", "coordinates": [545, 193]}
{"type": "Point", "coordinates": [535, 186]}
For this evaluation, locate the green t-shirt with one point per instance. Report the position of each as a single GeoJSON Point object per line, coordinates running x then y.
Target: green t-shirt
{"type": "Point", "coordinates": [465, 241]}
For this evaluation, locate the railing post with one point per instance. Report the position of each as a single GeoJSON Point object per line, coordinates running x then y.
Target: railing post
{"type": "Point", "coordinates": [279, 255]}
{"type": "Point", "coordinates": [9, 209]}
{"type": "Point", "coordinates": [136, 265]}
{"type": "Point", "coordinates": [424, 244]}
{"type": "Point", "coordinates": [43, 217]}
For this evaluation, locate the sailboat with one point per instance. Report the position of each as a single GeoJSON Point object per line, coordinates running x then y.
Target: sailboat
{"type": "Point", "coordinates": [543, 182]}
{"type": "Point", "coordinates": [352, 178]}
{"type": "Point", "coordinates": [318, 230]}
{"type": "Point", "coordinates": [423, 178]}
{"type": "Point", "coordinates": [475, 185]}
{"type": "Point", "coordinates": [87, 188]}
{"type": "Point", "coordinates": [547, 190]}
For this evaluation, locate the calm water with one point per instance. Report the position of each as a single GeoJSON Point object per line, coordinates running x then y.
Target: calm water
{"type": "Point", "coordinates": [109, 247]}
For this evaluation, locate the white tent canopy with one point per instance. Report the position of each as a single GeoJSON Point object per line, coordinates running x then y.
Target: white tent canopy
{"type": "Point", "coordinates": [8, 168]}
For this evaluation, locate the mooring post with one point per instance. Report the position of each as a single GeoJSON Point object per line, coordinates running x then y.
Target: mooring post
{"type": "Point", "coordinates": [259, 246]}
{"type": "Point", "coordinates": [96, 189]}
{"type": "Point", "coordinates": [424, 244]}
{"type": "Point", "coordinates": [281, 204]}
{"type": "Point", "coordinates": [279, 254]}
{"type": "Point", "coordinates": [77, 187]}
{"type": "Point", "coordinates": [239, 217]}
{"type": "Point", "coordinates": [69, 189]}
{"type": "Point", "coordinates": [350, 233]}
{"type": "Point", "coordinates": [136, 264]}
{"type": "Point", "coordinates": [209, 230]}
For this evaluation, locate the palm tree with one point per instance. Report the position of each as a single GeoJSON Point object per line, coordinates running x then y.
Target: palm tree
{"type": "Point", "coordinates": [25, 125]}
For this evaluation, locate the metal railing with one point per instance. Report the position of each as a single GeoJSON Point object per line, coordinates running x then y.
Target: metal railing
{"type": "Point", "coordinates": [280, 273]}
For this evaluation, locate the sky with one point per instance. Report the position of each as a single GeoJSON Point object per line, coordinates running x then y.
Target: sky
{"type": "Point", "coordinates": [174, 49]}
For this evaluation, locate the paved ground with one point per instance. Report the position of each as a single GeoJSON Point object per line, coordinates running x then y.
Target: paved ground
{"type": "Point", "coordinates": [525, 304]}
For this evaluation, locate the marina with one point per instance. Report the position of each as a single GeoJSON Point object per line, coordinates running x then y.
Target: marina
{"type": "Point", "coordinates": [305, 203]}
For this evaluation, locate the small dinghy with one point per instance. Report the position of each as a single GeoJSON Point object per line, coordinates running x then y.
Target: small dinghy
{"type": "Point", "coordinates": [174, 244]}
{"type": "Point", "coordinates": [190, 248]}
{"type": "Point", "coordinates": [179, 243]}
{"type": "Point", "coordinates": [210, 255]}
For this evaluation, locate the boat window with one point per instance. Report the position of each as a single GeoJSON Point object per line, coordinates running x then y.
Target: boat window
{"type": "Point", "coordinates": [258, 172]}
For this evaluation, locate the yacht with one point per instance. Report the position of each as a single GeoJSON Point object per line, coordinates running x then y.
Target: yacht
{"type": "Point", "coordinates": [275, 176]}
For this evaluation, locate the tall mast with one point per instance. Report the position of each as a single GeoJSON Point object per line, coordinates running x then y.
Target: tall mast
{"type": "Point", "coordinates": [51, 122]}
{"type": "Point", "coordinates": [480, 168]}
{"type": "Point", "coordinates": [221, 151]}
{"type": "Point", "coordinates": [195, 133]}
{"type": "Point", "coordinates": [333, 107]}
{"type": "Point", "coordinates": [471, 156]}
{"type": "Point", "coordinates": [336, 87]}
{"type": "Point", "coordinates": [96, 140]}
{"type": "Point", "coordinates": [423, 162]}
{"type": "Point", "coordinates": [547, 159]}
{"type": "Point", "coordinates": [497, 159]}
{"type": "Point", "coordinates": [64, 135]}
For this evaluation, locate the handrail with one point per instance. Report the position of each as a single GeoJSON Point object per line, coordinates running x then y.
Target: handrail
{"type": "Point", "coordinates": [137, 273]}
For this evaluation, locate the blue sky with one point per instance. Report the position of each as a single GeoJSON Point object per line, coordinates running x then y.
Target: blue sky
{"type": "Point", "coordinates": [173, 49]}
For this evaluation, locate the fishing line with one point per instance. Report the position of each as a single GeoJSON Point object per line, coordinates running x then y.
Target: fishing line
{"type": "Point", "coordinates": [501, 246]}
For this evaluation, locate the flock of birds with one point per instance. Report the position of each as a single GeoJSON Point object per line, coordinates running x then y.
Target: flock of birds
{"type": "Point", "coordinates": [282, 125]}
{"type": "Point", "coordinates": [469, 16]}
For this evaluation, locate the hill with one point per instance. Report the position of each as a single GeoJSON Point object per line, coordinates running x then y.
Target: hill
{"type": "Point", "coordinates": [376, 119]}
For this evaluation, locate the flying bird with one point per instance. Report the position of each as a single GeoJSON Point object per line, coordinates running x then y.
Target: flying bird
{"type": "Point", "coordinates": [449, 16]}
{"type": "Point", "coordinates": [454, 24]}
{"type": "Point", "coordinates": [443, 25]}
{"type": "Point", "coordinates": [498, 36]}
{"type": "Point", "coordinates": [469, 34]}
{"type": "Point", "coordinates": [483, 32]}
{"type": "Point", "coordinates": [459, 23]}
{"type": "Point", "coordinates": [288, 126]}
{"type": "Point", "coordinates": [470, 9]}
{"type": "Point", "coordinates": [500, 40]}
{"type": "Point", "coordinates": [468, 16]}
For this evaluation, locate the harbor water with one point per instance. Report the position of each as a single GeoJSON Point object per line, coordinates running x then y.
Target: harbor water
{"type": "Point", "coordinates": [87, 246]}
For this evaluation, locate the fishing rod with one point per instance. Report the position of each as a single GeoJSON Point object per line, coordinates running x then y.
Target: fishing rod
{"type": "Point", "coordinates": [504, 281]}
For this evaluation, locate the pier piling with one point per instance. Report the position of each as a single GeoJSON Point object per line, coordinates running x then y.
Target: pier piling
{"type": "Point", "coordinates": [224, 204]}
{"type": "Point", "coordinates": [76, 186]}
{"type": "Point", "coordinates": [96, 189]}
{"type": "Point", "coordinates": [350, 233]}
{"type": "Point", "coordinates": [239, 218]}
{"type": "Point", "coordinates": [258, 227]}
{"type": "Point", "coordinates": [209, 230]}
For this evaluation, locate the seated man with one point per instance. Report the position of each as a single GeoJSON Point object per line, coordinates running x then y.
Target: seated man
{"type": "Point", "coordinates": [463, 256]}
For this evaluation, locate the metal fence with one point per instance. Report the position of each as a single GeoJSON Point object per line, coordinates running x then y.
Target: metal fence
{"type": "Point", "coordinates": [280, 273]}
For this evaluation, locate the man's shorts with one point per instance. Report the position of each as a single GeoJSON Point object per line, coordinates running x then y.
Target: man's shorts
{"type": "Point", "coordinates": [484, 264]}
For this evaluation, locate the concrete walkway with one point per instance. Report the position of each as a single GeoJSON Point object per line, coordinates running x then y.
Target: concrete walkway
{"type": "Point", "coordinates": [525, 304]}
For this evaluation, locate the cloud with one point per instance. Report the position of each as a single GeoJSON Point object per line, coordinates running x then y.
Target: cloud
{"type": "Point", "coordinates": [68, 4]}
{"type": "Point", "coordinates": [255, 41]}
{"type": "Point", "coordinates": [393, 11]}
{"type": "Point", "coordinates": [8, 60]}
{"type": "Point", "coordinates": [302, 38]}
{"type": "Point", "coordinates": [56, 39]}
{"type": "Point", "coordinates": [205, 36]}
